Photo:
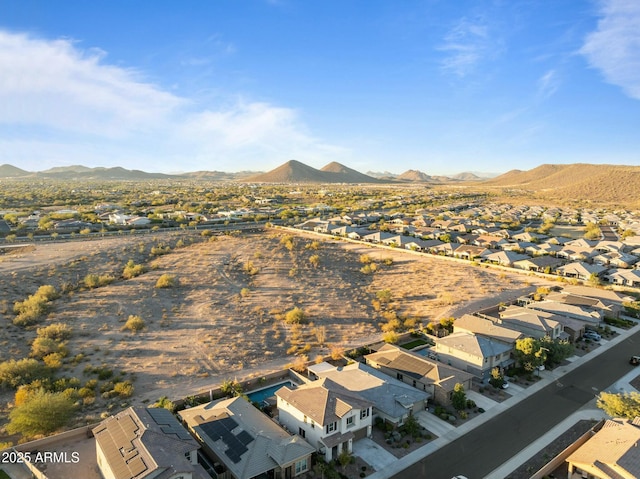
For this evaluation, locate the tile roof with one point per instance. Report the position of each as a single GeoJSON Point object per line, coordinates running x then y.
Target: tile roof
{"type": "Point", "coordinates": [324, 400]}
{"type": "Point", "coordinates": [138, 443]}
{"type": "Point", "coordinates": [612, 452]}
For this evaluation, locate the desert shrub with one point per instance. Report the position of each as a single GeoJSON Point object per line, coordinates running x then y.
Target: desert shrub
{"type": "Point", "coordinates": [166, 281]}
{"type": "Point", "coordinates": [165, 403]}
{"type": "Point", "coordinates": [34, 307]}
{"type": "Point", "coordinates": [124, 389]}
{"type": "Point", "coordinates": [53, 360]}
{"type": "Point", "coordinates": [131, 270]}
{"type": "Point", "coordinates": [390, 337]}
{"type": "Point", "coordinates": [365, 259]}
{"type": "Point", "coordinates": [369, 268]}
{"type": "Point", "coordinates": [300, 363]}
{"type": "Point", "coordinates": [42, 347]}
{"type": "Point", "coordinates": [250, 268]}
{"type": "Point", "coordinates": [295, 316]}
{"type": "Point", "coordinates": [134, 324]}
{"type": "Point", "coordinates": [55, 331]}
{"type": "Point", "coordinates": [392, 325]}
{"type": "Point", "coordinates": [47, 292]}
{"type": "Point", "coordinates": [14, 373]}
{"type": "Point", "coordinates": [92, 281]}
{"type": "Point", "coordinates": [160, 249]}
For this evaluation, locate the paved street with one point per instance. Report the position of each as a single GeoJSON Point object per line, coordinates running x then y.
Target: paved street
{"type": "Point", "coordinates": [481, 450]}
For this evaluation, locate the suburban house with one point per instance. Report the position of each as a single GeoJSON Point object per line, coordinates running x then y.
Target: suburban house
{"type": "Point", "coordinates": [244, 443]}
{"type": "Point", "coordinates": [607, 308]}
{"type": "Point", "coordinates": [590, 317]}
{"type": "Point", "coordinates": [530, 322]}
{"type": "Point", "coordinates": [624, 277]}
{"type": "Point", "coordinates": [435, 378]}
{"type": "Point", "coordinates": [487, 327]}
{"type": "Point", "coordinates": [326, 414]}
{"type": "Point", "coordinates": [611, 453]}
{"type": "Point", "coordinates": [540, 264]}
{"type": "Point", "coordinates": [144, 443]}
{"type": "Point", "coordinates": [471, 252]}
{"type": "Point", "coordinates": [392, 399]}
{"type": "Point", "coordinates": [580, 270]}
{"type": "Point", "coordinates": [504, 258]}
{"type": "Point", "coordinates": [473, 353]}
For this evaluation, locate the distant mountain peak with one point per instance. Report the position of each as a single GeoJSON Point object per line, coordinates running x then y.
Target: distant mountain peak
{"type": "Point", "coordinates": [294, 171]}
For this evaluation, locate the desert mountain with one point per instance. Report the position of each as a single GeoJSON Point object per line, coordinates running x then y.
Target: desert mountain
{"type": "Point", "coordinates": [9, 171]}
{"type": "Point", "coordinates": [296, 172]}
{"type": "Point", "coordinates": [466, 176]}
{"type": "Point", "coordinates": [414, 175]}
{"type": "Point", "coordinates": [346, 174]}
{"type": "Point", "coordinates": [99, 173]}
{"type": "Point", "coordinates": [609, 183]}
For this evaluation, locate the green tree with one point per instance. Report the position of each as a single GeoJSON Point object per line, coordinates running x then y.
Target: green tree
{"type": "Point", "coordinates": [497, 379]}
{"type": "Point", "coordinates": [626, 404]}
{"type": "Point", "coordinates": [459, 397]}
{"type": "Point", "coordinates": [42, 413]}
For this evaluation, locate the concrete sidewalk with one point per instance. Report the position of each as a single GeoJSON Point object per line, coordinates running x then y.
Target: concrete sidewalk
{"type": "Point", "coordinates": [589, 412]}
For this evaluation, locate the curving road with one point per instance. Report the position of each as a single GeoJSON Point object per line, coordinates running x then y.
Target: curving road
{"type": "Point", "coordinates": [493, 443]}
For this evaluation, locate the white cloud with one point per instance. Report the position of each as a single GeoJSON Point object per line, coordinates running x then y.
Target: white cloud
{"type": "Point", "coordinates": [614, 47]}
{"type": "Point", "coordinates": [54, 93]}
{"type": "Point", "coordinates": [466, 44]}
{"type": "Point", "coordinates": [548, 84]}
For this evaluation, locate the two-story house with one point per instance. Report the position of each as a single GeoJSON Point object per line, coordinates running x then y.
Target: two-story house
{"type": "Point", "coordinates": [145, 443]}
{"type": "Point", "coordinates": [327, 415]}
{"type": "Point", "coordinates": [472, 353]}
{"type": "Point", "coordinates": [244, 443]}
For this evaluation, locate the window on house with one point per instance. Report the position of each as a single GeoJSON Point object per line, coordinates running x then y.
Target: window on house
{"type": "Point", "coordinates": [399, 376]}
{"type": "Point", "coordinates": [331, 427]}
{"type": "Point", "coordinates": [364, 413]}
{"type": "Point", "coordinates": [302, 466]}
{"type": "Point", "coordinates": [301, 432]}
{"type": "Point", "coordinates": [414, 383]}
{"type": "Point", "coordinates": [351, 421]}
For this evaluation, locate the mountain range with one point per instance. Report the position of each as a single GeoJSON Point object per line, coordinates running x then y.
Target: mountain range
{"type": "Point", "coordinates": [616, 184]}
{"type": "Point", "coordinates": [290, 172]}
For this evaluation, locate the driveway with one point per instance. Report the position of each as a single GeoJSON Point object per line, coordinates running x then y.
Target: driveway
{"type": "Point", "coordinates": [373, 454]}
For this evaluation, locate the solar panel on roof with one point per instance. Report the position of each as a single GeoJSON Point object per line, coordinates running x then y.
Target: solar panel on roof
{"type": "Point", "coordinates": [245, 438]}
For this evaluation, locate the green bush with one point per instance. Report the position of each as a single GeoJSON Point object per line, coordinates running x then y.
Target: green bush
{"type": "Point", "coordinates": [166, 281]}
{"type": "Point", "coordinates": [14, 373]}
{"type": "Point", "coordinates": [55, 331]}
{"type": "Point", "coordinates": [295, 316]}
{"type": "Point", "coordinates": [131, 270]}
{"type": "Point", "coordinates": [134, 324]}
{"type": "Point", "coordinates": [92, 281]}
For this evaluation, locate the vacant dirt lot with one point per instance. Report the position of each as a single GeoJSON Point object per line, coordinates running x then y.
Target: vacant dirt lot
{"type": "Point", "coordinates": [223, 319]}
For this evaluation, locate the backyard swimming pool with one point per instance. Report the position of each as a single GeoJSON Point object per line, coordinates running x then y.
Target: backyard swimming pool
{"type": "Point", "coordinates": [261, 395]}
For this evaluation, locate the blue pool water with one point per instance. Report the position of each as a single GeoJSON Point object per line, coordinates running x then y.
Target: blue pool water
{"type": "Point", "coordinates": [261, 394]}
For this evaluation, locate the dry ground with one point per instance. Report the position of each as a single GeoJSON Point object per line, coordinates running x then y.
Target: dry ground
{"type": "Point", "coordinates": [221, 322]}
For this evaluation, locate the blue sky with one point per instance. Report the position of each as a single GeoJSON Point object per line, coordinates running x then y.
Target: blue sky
{"type": "Point", "coordinates": [440, 86]}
